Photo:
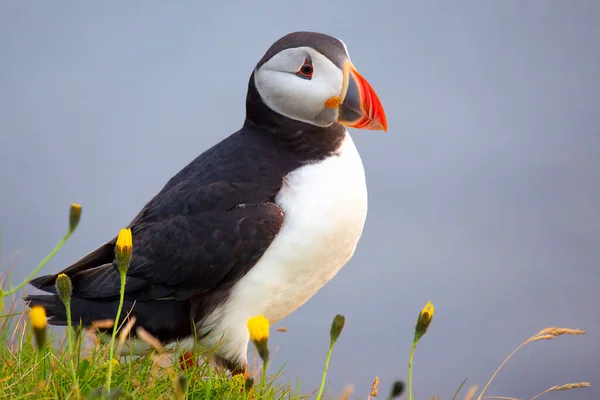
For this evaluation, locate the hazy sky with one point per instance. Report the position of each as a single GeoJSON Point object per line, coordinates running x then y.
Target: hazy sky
{"type": "Point", "coordinates": [484, 195]}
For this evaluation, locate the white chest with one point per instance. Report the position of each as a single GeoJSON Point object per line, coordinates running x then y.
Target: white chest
{"type": "Point", "coordinates": [325, 206]}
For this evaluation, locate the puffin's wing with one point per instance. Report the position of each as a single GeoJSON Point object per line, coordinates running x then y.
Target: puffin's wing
{"type": "Point", "coordinates": [211, 250]}
{"type": "Point", "coordinates": [101, 256]}
{"type": "Point", "coordinates": [179, 256]}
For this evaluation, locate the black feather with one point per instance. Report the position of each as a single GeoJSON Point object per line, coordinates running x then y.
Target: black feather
{"type": "Point", "coordinates": [167, 320]}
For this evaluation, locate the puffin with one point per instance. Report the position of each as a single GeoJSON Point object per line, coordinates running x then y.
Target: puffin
{"type": "Point", "coordinates": [255, 225]}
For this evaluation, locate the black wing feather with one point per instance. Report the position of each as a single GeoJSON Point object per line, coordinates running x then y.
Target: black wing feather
{"type": "Point", "coordinates": [101, 256]}
{"type": "Point", "coordinates": [195, 254]}
{"type": "Point", "coordinates": [183, 256]}
{"type": "Point", "coordinates": [194, 240]}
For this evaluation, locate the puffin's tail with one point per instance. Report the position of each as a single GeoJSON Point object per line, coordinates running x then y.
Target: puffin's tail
{"type": "Point", "coordinates": [83, 311]}
{"type": "Point", "coordinates": [165, 319]}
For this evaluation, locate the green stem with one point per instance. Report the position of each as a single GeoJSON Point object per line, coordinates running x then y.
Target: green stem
{"type": "Point", "coordinates": [458, 390]}
{"type": "Point", "coordinates": [39, 360]}
{"type": "Point", "coordinates": [70, 339]}
{"type": "Point", "coordinates": [410, 367]}
{"type": "Point", "coordinates": [45, 354]}
{"type": "Point", "coordinates": [115, 326]}
{"type": "Point", "coordinates": [38, 268]}
{"type": "Point", "coordinates": [324, 377]}
{"type": "Point", "coordinates": [264, 375]}
{"type": "Point", "coordinates": [45, 360]}
{"type": "Point", "coordinates": [78, 339]}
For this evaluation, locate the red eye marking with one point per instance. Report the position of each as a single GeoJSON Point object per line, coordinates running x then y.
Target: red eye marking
{"type": "Point", "coordinates": [306, 70]}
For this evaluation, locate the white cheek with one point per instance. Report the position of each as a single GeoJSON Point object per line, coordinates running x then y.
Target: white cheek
{"type": "Point", "coordinates": [298, 98]}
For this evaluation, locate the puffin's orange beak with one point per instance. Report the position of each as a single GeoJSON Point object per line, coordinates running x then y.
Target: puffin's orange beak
{"type": "Point", "coordinates": [359, 105]}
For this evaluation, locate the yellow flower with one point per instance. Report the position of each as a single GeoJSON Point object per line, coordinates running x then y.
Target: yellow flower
{"type": "Point", "coordinates": [37, 315]}
{"type": "Point", "coordinates": [124, 241]}
{"type": "Point", "coordinates": [74, 216]}
{"type": "Point", "coordinates": [258, 327]}
{"type": "Point", "coordinates": [114, 362]}
{"type": "Point", "coordinates": [424, 320]}
{"type": "Point", "coordinates": [64, 288]}
{"type": "Point", "coordinates": [123, 249]}
{"type": "Point", "coordinates": [427, 311]}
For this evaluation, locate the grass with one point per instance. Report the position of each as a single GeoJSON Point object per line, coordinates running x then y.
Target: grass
{"type": "Point", "coordinates": [36, 364]}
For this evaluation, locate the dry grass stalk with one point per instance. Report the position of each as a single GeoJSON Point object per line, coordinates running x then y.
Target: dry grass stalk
{"type": "Point", "coordinates": [23, 334]}
{"type": "Point", "coordinates": [568, 386]}
{"type": "Point", "coordinates": [160, 361]}
{"type": "Point", "coordinates": [374, 388]}
{"type": "Point", "coordinates": [91, 333]}
{"type": "Point", "coordinates": [103, 324]}
{"type": "Point", "coordinates": [542, 337]}
{"type": "Point", "coordinates": [348, 389]}
{"type": "Point", "coordinates": [180, 387]}
{"type": "Point", "coordinates": [10, 310]}
{"type": "Point", "coordinates": [19, 321]}
{"type": "Point", "coordinates": [554, 331]}
{"type": "Point", "coordinates": [544, 334]}
{"type": "Point", "coordinates": [500, 398]}
{"type": "Point", "coordinates": [124, 334]}
{"type": "Point", "coordinates": [471, 393]}
{"type": "Point", "coordinates": [149, 339]}
{"type": "Point", "coordinates": [282, 329]}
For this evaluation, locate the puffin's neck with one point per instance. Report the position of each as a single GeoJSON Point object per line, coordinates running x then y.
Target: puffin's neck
{"type": "Point", "coordinates": [309, 142]}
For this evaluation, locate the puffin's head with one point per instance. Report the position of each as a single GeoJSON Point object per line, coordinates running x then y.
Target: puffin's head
{"type": "Point", "coordinates": [308, 77]}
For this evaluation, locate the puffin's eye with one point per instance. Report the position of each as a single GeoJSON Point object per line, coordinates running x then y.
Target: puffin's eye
{"type": "Point", "coordinates": [306, 71]}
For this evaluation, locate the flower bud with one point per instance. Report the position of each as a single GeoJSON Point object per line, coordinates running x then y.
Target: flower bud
{"type": "Point", "coordinates": [397, 389]}
{"type": "Point", "coordinates": [64, 288]}
{"type": "Point", "coordinates": [123, 249]}
{"type": "Point", "coordinates": [248, 383]}
{"type": "Point", "coordinates": [74, 216]}
{"type": "Point", "coordinates": [424, 320]}
{"type": "Point", "coordinates": [336, 327]}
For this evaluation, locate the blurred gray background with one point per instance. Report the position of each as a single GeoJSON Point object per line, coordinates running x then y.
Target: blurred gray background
{"type": "Point", "coordinates": [484, 193]}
